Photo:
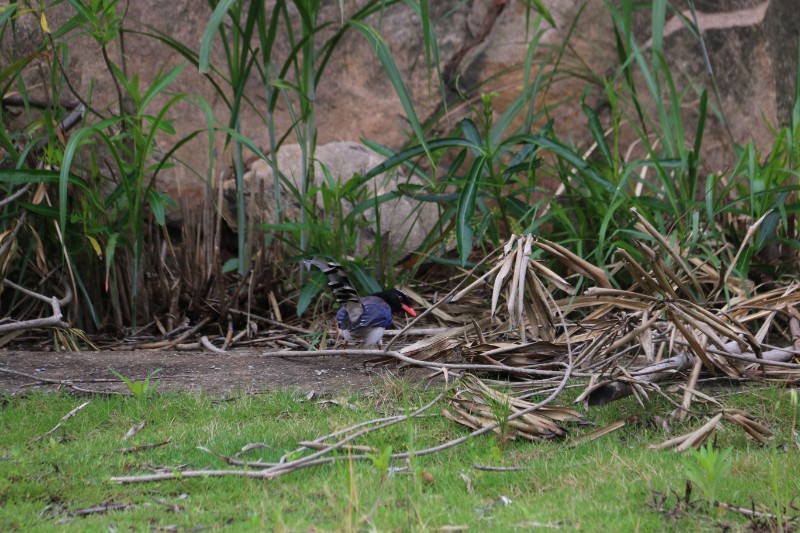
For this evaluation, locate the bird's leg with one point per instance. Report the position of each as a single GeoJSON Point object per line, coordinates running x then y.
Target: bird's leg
{"type": "Point", "coordinates": [338, 334]}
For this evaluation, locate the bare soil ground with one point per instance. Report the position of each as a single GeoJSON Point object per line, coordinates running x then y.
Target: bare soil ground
{"type": "Point", "coordinates": [243, 370]}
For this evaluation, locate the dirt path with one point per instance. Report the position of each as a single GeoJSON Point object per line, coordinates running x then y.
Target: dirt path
{"type": "Point", "coordinates": [243, 370]}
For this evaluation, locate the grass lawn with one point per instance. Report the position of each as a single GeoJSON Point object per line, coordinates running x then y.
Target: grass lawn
{"type": "Point", "coordinates": [609, 484]}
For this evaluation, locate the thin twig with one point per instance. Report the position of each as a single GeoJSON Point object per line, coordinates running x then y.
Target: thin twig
{"type": "Point", "coordinates": [63, 419]}
{"type": "Point", "coordinates": [486, 468]}
{"type": "Point", "coordinates": [54, 321]}
{"type": "Point", "coordinates": [444, 300]}
{"type": "Point", "coordinates": [65, 382]}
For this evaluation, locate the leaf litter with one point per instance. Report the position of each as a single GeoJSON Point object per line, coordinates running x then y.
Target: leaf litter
{"type": "Point", "coordinates": [675, 321]}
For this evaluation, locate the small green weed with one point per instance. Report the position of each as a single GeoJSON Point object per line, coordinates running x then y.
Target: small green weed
{"type": "Point", "coordinates": [141, 390]}
{"type": "Point", "coordinates": [501, 409]}
{"type": "Point", "coordinates": [382, 460]}
{"type": "Point", "coordinates": [706, 468]}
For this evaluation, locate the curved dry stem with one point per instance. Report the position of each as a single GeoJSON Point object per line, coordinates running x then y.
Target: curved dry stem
{"type": "Point", "coordinates": [444, 300]}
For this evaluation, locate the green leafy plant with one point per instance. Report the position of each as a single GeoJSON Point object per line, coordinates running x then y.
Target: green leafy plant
{"type": "Point", "coordinates": [706, 468]}
{"type": "Point", "coordinates": [382, 461]}
{"type": "Point", "coordinates": [141, 390]}
{"type": "Point", "coordinates": [500, 405]}
{"type": "Point", "coordinates": [292, 81]}
{"type": "Point", "coordinates": [90, 195]}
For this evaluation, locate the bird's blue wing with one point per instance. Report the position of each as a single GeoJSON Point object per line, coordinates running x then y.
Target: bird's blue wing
{"type": "Point", "coordinates": [376, 314]}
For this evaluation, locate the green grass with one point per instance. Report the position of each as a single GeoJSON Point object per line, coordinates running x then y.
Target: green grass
{"type": "Point", "coordinates": [604, 485]}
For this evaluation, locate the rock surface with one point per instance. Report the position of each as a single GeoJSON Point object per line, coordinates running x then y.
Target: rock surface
{"type": "Point", "coordinates": [406, 223]}
{"type": "Point", "coordinates": [752, 47]}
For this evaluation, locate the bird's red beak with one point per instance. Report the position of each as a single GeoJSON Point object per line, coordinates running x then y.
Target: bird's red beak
{"type": "Point", "coordinates": [409, 311]}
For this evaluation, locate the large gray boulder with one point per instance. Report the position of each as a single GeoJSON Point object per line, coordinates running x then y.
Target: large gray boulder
{"type": "Point", "coordinates": [404, 222]}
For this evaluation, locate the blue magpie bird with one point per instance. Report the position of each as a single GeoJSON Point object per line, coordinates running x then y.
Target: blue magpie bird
{"type": "Point", "coordinates": [361, 318]}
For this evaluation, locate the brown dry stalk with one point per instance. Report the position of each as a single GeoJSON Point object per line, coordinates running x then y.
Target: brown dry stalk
{"type": "Point", "coordinates": [63, 419]}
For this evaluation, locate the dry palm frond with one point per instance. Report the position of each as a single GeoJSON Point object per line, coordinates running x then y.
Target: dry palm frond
{"type": "Point", "coordinates": [744, 420]}
{"type": "Point", "coordinates": [693, 439]}
{"type": "Point", "coordinates": [696, 438]}
{"type": "Point", "coordinates": [665, 326]}
{"type": "Point", "coordinates": [605, 430]}
{"type": "Point", "coordinates": [476, 405]}
{"type": "Point", "coordinates": [515, 354]}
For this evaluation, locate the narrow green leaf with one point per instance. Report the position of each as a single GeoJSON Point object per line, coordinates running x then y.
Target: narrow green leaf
{"type": "Point", "coordinates": [297, 227]}
{"type": "Point", "coordinates": [597, 130]}
{"type": "Point", "coordinates": [411, 153]}
{"type": "Point", "coordinates": [311, 289]}
{"type": "Point", "coordinates": [363, 279]}
{"type": "Point", "coordinates": [80, 7]}
{"type": "Point", "coordinates": [161, 83]}
{"type": "Point", "coordinates": [370, 203]}
{"type": "Point", "coordinates": [77, 139]}
{"type": "Point", "coordinates": [158, 202]}
{"type": "Point", "coordinates": [211, 30]}
{"type": "Point", "coordinates": [466, 209]}
{"type": "Point", "coordinates": [472, 135]}
{"type": "Point", "coordinates": [111, 249]}
{"type": "Point", "coordinates": [422, 193]}
{"type": "Point", "coordinates": [231, 265]}
{"type": "Point", "coordinates": [385, 57]}
{"type": "Point", "coordinates": [544, 12]}
{"type": "Point", "coordinates": [701, 123]}
{"type": "Point", "coordinates": [566, 154]}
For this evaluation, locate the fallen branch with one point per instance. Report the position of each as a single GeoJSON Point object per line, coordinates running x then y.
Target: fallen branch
{"type": "Point", "coordinates": [609, 392]}
{"type": "Point", "coordinates": [486, 468]}
{"type": "Point", "coordinates": [54, 321]}
{"type": "Point", "coordinates": [140, 447]}
{"type": "Point", "coordinates": [168, 344]}
{"type": "Point", "coordinates": [753, 513]}
{"type": "Point", "coordinates": [65, 382]}
{"type": "Point", "coordinates": [427, 364]}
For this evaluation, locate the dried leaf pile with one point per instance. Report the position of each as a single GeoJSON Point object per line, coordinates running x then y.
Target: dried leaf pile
{"type": "Point", "coordinates": [678, 324]}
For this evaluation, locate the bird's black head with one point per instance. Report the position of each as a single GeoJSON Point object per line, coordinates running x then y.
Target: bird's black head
{"type": "Point", "coordinates": [396, 300]}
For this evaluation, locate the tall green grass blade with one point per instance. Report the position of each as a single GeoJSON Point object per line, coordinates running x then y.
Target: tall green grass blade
{"type": "Point", "coordinates": [411, 153]}
{"type": "Point", "coordinates": [312, 287]}
{"type": "Point", "coordinates": [385, 57]}
{"type": "Point", "coordinates": [427, 36]}
{"type": "Point", "coordinates": [658, 18]}
{"type": "Point", "coordinates": [363, 278]}
{"type": "Point", "coordinates": [596, 130]}
{"type": "Point", "coordinates": [466, 209]}
{"type": "Point", "coordinates": [210, 32]}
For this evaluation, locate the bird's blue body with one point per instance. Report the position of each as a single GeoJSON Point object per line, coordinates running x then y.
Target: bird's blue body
{"type": "Point", "coordinates": [372, 323]}
{"type": "Point", "coordinates": [365, 318]}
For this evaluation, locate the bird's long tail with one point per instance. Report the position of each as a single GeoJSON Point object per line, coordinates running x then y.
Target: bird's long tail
{"type": "Point", "coordinates": [344, 291]}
